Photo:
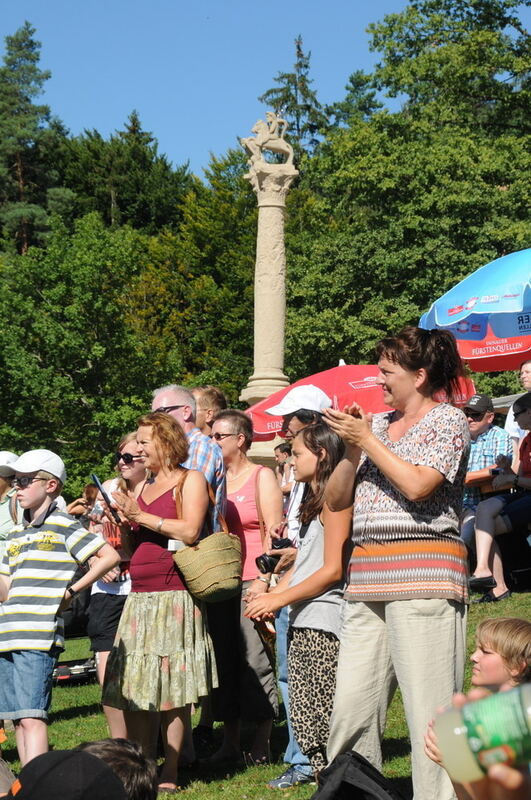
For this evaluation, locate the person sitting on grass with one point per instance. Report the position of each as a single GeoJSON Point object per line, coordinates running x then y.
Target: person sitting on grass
{"type": "Point", "coordinates": [504, 514]}
{"type": "Point", "coordinates": [502, 659]}
{"type": "Point", "coordinates": [41, 557]}
{"type": "Point", "coordinates": [137, 772]}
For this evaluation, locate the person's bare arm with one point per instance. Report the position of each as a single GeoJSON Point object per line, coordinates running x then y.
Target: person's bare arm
{"type": "Point", "coordinates": [194, 509]}
{"type": "Point", "coordinates": [337, 526]}
{"type": "Point", "coordinates": [270, 498]}
{"type": "Point", "coordinates": [5, 584]}
{"type": "Point", "coordinates": [100, 563]}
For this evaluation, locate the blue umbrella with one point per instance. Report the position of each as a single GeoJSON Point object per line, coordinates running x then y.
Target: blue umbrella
{"type": "Point", "coordinates": [489, 313]}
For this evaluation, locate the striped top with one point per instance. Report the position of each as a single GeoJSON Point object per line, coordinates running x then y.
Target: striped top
{"type": "Point", "coordinates": [405, 549]}
{"type": "Point", "coordinates": [40, 560]}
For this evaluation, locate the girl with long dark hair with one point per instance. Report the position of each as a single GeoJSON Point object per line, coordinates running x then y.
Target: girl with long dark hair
{"type": "Point", "coordinates": [313, 589]}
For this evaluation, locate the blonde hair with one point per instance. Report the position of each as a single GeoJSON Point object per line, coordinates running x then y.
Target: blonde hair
{"type": "Point", "coordinates": [129, 437]}
{"type": "Point", "coordinates": [510, 637]}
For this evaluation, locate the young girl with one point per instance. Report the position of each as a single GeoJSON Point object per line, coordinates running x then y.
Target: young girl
{"type": "Point", "coordinates": [502, 658]}
{"type": "Point", "coordinates": [313, 589]}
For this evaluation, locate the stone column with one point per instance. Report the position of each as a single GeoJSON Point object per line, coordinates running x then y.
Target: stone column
{"type": "Point", "coordinates": [271, 183]}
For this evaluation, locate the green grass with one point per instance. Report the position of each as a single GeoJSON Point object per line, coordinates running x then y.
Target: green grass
{"type": "Point", "coordinates": [76, 716]}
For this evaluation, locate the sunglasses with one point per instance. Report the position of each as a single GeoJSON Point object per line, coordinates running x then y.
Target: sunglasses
{"type": "Point", "coordinates": [127, 458]}
{"type": "Point", "coordinates": [167, 409]}
{"type": "Point", "coordinates": [475, 415]}
{"type": "Point", "coordinates": [25, 481]}
{"type": "Point", "coordinates": [304, 416]}
{"type": "Point", "coordinates": [220, 436]}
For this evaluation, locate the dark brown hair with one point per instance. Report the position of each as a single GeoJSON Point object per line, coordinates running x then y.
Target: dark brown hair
{"type": "Point", "coordinates": [169, 435]}
{"type": "Point", "coordinates": [435, 351]}
{"type": "Point", "coordinates": [318, 438]}
{"type": "Point", "coordinates": [126, 759]}
{"type": "Point", "coordinates": [240, 423]}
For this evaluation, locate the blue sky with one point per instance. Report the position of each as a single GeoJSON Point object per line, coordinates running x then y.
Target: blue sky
{"type": "Point", "coordinates": [192, 70]}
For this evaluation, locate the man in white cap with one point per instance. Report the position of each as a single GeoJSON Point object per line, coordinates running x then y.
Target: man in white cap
{"type": "Point", "coordinates": [300, 407]}
{"type": "Point", "coordinates": [42, 553]}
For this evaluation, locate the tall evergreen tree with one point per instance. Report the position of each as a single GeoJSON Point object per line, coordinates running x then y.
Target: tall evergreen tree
{"type": "Point", "coordinates": [297, 102]}
{"type": "Point", "coordinates": [26, 141]}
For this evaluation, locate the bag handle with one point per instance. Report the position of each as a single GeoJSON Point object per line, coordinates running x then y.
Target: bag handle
{"type": "Point", "coordinates": [211, 497]}
{"type": "Point", "coordinates": [261, 522]}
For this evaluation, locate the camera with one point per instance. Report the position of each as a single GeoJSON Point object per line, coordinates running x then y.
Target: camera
{"type": "Point", "coordinates": [266, 563]}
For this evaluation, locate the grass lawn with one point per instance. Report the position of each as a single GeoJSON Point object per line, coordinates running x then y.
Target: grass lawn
{"type": "Point", "coordinates": [76, 716]}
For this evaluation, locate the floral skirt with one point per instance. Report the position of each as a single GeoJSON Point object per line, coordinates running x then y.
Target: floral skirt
{"type": "Point", "coordinates": [162, 657]}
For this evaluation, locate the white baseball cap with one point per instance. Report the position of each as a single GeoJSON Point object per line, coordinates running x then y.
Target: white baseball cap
{"type": "Point", "coordinates": [6, 462]}
{"type": "Point", "coordinates": [309, 397]}
{"type": "Point", "coordinates": [36, 460]}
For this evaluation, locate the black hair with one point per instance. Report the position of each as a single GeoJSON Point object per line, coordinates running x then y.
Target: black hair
{"type": "Point", "coordinates": [128, 762]}
{"type": "Point", "coordinates": [318, 438]}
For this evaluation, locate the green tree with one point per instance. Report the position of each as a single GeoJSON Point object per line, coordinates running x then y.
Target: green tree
{"type": "Point", "coordinates": [465, 62]}
{"type": "Point", "coordinates": [29, 141]}
{"type": "Point", "coordinates": [360, 101]}
{"type": "Point", "coordinates": [297, 102]}
{"type": "Point", "coordinates": [124, 178]}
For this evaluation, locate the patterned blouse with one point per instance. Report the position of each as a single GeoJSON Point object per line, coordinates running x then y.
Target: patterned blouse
{"type": "Point", "coordinates": [405, 549]}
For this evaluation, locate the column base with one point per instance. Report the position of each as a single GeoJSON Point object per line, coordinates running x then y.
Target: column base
{"type": "Point", "coordinates": [262, 384]}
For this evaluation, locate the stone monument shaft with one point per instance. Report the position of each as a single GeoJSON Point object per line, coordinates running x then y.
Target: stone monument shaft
{"type": "Point", "coordinates": [271, 183]}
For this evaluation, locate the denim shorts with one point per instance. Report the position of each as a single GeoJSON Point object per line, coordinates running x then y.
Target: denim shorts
{"type": "Point", "coordinates": [26, 683]}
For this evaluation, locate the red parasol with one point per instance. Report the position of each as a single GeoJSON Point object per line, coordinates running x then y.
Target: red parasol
{"type": "Point", "coordinates": [345, 384]}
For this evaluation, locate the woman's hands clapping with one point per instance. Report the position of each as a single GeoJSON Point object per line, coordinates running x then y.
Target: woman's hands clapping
{"type": "Point", "coordinates": [352, 424]}
{"type": "Point", "coordinates": [126, 505]}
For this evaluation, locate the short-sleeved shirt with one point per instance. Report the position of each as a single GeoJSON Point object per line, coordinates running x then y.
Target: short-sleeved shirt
{"type": "Point", "coordinates": [512, 427]}
{"type": "Point", "coordinates": [205, 455]}
{"type": "Point", "coordinates": [40, 560]}
{"type": "Point", "coordinates": [405, 549]}
{"type": "Point", "coordinates": [483, 451]}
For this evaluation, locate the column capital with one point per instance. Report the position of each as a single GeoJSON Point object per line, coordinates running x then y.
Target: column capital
{"type": "Point", "coordinates": [271, 182]}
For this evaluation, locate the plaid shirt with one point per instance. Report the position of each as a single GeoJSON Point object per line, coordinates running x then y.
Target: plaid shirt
{"type": "Point", "coordinates": [205, 456]}
{"type": "Point", "coordinates": [483, 451]}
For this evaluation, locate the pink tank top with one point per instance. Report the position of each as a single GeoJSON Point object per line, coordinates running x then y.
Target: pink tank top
{"type": "Point", "coordinates": [152, 568]}
{"type": "Point", "coordinates": [242, 519]}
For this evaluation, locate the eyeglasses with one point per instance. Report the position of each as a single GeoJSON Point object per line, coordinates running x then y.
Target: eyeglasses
{"type": "Point", "coordinates": [167, 409]}
{"type": "Point", "coordinates": [220, 436]}
{"type": "Point", "coordinates": [25, 481]}
{"type": "Point", "coordinates": [475, 416]}
{"type": "Point", "coordinates": [304, 416]}
{"type": "Point", "coordinates": [127, 458]}
{"type": "Point", "coordinates": [516, 414]}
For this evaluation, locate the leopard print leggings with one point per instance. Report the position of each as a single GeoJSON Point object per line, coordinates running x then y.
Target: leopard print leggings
{"type": "Point", "coordinates": [312, 663]}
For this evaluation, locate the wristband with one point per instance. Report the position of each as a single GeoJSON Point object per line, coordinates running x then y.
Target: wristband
{"type": "Point", "coordinates": [160, 523]}
{"type": "Point", "coordinates": [264, 580]}
{"type": "Point", "coordinates": [72, 592]}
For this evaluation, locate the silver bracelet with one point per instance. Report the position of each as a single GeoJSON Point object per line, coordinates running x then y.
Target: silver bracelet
{"type": "Point", "coordinates": [264, 580]}
{"type": "Point", "coordinates": [160, 523]}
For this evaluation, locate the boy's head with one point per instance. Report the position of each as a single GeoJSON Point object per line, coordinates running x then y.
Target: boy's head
{"type": "Point", "coordinates": [39, 476]}
{"type": "Point", "coordinates": [510, 637]}
{"type": "Point", "coordinates": [126, 759]}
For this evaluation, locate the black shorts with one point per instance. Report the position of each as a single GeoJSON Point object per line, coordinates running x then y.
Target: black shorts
{"type": "Point", "coordinates": [104, 611]}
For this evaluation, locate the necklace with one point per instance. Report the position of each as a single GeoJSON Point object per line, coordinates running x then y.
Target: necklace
{"type": "Point", "coordinates": [235, 477]}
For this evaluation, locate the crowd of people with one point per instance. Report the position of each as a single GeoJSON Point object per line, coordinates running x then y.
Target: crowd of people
{"type": "Point", "coordinates": [356, 548]}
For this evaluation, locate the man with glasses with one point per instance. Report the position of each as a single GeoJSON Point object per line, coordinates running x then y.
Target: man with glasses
{"type": "Point", "coordinates": [515, 431]}
{"type": "Point", "coordinates": [300, 407]}
{"type": "Point", "coordinates": [204, 454]}
{"type": "Point", "coordinates": [488, 442]}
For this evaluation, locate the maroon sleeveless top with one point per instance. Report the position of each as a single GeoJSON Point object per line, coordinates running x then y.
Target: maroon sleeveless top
{"type": "Point", "coordinates": [152, 568]}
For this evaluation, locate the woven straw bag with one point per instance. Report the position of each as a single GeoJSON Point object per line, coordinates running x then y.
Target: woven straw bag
{"type": "Point", "coordinates": [212, 567]}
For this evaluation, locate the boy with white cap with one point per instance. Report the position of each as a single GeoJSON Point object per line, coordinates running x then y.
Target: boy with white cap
{"type": "Point", "coordinates": [41, 557]}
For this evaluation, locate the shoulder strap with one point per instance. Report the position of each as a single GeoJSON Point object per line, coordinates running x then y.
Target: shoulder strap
{"type": "Point", "coordinates": [179, 501]}
{"type": "Point", "coordinates": [258, 503]}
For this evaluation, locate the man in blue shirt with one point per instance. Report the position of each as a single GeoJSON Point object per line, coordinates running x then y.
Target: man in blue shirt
{"type": "Point", "coordinates": [488, 441]}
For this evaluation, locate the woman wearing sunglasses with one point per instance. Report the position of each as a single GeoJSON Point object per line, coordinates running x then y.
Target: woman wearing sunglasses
{"type": "Point", "coordinates": [110, 592]}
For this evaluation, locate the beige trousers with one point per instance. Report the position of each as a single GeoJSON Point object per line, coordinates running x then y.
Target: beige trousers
{"type": "Point", "coordinates": [419, 644]}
